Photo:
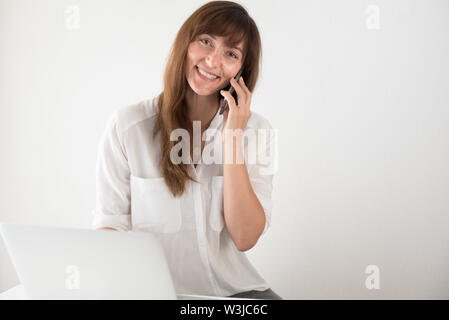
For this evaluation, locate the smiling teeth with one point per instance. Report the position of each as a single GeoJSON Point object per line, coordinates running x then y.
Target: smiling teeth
{"type": "Point", "coordinates": [206, 74]}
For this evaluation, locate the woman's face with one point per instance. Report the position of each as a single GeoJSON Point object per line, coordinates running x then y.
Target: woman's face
{"type": "Point", "coordinates": [211, 55]}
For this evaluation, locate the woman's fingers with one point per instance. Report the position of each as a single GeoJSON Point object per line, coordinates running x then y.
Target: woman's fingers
{"type": "Point", "coordinates": [231, 101]}
{"type": "Point", "coordinates": [241, 94]}
{"type": "Point", "coordinates": [247, 92]}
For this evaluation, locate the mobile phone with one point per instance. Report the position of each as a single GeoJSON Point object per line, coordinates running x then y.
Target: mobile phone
{"type": "Point", "coordinates": [231, 90]}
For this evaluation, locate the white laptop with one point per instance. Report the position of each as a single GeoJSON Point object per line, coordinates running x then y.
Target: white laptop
{"type": "Point", "coordinates": [62, 263]}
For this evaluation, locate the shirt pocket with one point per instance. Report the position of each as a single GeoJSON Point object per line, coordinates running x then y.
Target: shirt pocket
{"type": "Point", "coordinates": [153, 206]}
{"type": "Point", "coordinates": [216, 214]}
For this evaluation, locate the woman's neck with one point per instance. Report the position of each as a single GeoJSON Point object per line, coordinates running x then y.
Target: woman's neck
{"type": "Point", "coordinates": [201, 108]}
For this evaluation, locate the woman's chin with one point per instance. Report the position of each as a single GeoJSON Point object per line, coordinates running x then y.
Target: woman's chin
{"type": "Point", "coordinates": [202, 92]}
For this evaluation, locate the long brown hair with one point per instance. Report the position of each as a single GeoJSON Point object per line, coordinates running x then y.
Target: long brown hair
{"type": "Point", "coordinates": [222, 18]}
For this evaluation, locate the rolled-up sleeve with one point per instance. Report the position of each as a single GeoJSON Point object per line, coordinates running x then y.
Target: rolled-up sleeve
{"type": "Point", "coordinates": [112, 208]}
{"type": "Point", "coordinates": [261, 173]}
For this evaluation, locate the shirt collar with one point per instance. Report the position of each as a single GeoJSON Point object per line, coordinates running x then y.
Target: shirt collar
{"type": "Point", "coordinates": [217, 120]}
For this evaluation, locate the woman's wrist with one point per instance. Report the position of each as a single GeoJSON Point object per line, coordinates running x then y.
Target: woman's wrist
{"type": "Point", "coordinates": [233, 148]}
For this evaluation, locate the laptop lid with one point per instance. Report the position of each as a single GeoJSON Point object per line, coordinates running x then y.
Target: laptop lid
{"type": "Point", "coordinates": [66, 263]}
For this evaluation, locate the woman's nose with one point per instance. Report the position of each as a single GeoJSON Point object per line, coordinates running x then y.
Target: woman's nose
{"type": "Point", "coordinates": [213, 59]}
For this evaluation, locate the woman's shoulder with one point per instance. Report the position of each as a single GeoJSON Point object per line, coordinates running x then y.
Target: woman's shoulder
{"type": "Point", "coordinates": [129, 115]}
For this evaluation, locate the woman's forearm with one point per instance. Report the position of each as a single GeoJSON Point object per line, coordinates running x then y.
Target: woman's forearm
{"type": "Point", "coordinates": [244, 215]}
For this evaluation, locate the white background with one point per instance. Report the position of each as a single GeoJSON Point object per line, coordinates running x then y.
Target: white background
{"type": "Point", "coordinates": [362, 114]}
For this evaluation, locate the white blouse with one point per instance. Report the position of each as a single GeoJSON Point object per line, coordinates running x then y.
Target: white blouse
{"type": "Point", "coordinates": [132, 196]}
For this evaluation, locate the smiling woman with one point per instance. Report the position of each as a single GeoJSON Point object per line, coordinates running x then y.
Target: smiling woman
{"type": "Point", "coordinates": [216, 40]}
{"type": "Point", "coordinates": [206, 215]}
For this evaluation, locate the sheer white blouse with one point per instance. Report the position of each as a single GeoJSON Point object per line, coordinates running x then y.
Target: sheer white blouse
{"type": "Point", "coordinates": [132, 196]}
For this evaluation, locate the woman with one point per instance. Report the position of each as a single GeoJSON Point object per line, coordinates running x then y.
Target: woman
{"type": "Point", "coordinates": [205, 214]}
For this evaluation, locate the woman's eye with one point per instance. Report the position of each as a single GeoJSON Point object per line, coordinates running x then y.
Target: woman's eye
{"type": "Point", "coordinates": [234, 56]}
{"type": "Point", "coordinates": [204, 41]}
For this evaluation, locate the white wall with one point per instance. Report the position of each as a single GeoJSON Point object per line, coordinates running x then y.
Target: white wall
{"type": "Point", "coordinates": [362, 115]}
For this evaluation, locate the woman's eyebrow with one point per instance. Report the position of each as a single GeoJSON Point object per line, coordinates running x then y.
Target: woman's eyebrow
{"type": "Point", "coordinates": [213, 37]}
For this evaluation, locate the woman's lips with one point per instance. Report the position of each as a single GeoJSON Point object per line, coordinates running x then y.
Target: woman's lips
{"type": "Point", "coordinates": [204, 78]}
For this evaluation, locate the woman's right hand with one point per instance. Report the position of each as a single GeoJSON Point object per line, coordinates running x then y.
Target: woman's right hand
{"type": "Point", "coordinates": [112, 229]}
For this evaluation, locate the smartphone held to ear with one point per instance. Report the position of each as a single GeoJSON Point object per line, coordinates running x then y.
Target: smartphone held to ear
{"type": "Point", "coordinates": [231, 90]}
